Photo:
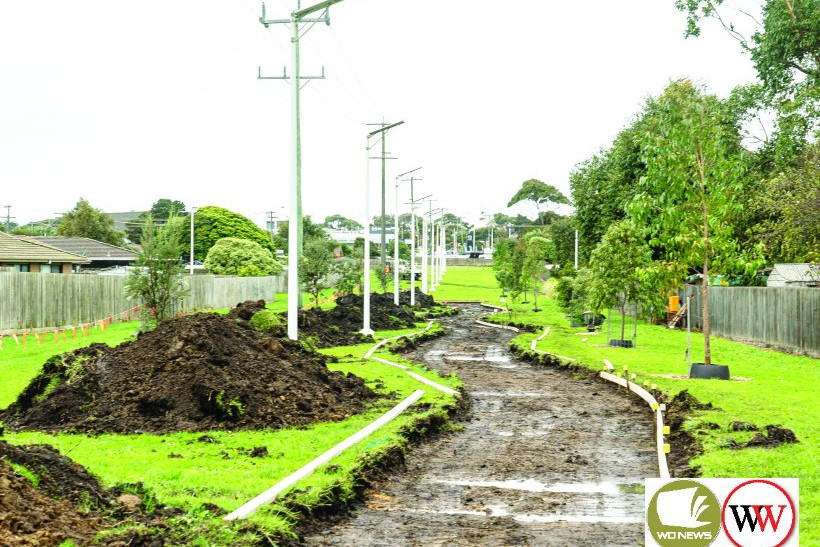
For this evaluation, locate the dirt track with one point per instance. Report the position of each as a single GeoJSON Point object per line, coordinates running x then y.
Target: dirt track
{"type": "Point", "coordinates": [544, 459]}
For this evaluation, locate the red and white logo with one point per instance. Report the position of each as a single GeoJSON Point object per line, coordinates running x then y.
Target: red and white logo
{"type": "Point", "coordinates": [758, 513]}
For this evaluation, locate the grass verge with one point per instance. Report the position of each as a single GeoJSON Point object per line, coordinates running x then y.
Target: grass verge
{"type": "Point", "coordinates": [195, 470]}
{"type": "Point", "coordinates": [768, 387]}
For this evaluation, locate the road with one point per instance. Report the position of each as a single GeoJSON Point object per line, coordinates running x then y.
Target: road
{"type": "Point", "coordinates": [543, 459]}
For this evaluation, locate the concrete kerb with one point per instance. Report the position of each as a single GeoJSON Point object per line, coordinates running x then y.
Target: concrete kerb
{"type": "Point", "coordinates": [660, 430]}
{"type": "Point", "coordinates": [270, 494]}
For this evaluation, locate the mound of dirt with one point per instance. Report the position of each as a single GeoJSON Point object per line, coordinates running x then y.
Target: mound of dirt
{"type": "Point", "coordinates": [247, 309]}
{"type": "Point", "coordinates": [193, 373]}
{"type": "Point", "coordinates": [340, 326]}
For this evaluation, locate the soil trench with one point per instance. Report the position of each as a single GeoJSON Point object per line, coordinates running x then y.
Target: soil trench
{"type": "Point", "coordinates": [543, 459]}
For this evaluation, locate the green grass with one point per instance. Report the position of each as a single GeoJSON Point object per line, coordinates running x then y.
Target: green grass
{"type": "Point", "coordinates": [181, 471]}
{"type": "Point", "coordinates": [18, 365]}
{"type": "Point", "coordinates": [769, 387]}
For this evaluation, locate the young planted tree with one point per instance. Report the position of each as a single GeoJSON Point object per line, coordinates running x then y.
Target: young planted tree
{"type": "Point", "coordinates": [157, 280]}
{"type": "Point", "coordinates": [241, 257]}
{"type": "Point", "coordinates": [616, 264]}
{"type": "Point", "coordinates": [694, 175]}
{"type": "Point", "coordinates": [317, 256]}
{"type": "Point", "coordinates": [537, 251]}
{"type": "Point", "coordinates": [503, 265]}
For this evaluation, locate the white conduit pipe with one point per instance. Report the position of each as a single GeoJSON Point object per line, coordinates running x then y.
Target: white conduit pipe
{"type": "Point", "coordinates": [372, 350]}
{"type": "Point", "coordinates": [417, 377]}
{"type": "Point", "coordinates": [486, 324]}
{"type": "Point", "coordinates": [269, 495]}
{"type": "Point", "coordinates": [535, 342]}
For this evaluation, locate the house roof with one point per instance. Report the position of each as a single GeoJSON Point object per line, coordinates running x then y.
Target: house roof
{"type": "Point", "coordinates": [799, 272]}
{"type": "Point", "coordinates": [17, 249]}
{"type": "Point", "coordinates": [124, 219]}
{"type": "Point", "coordinates": [87, 247]}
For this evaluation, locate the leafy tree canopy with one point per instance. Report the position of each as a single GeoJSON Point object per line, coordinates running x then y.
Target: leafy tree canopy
{"type": "Point", "coordinates": [785, 49]}
{"type": "Point", "coordinates": [86, 221]}
{"type": "Point", "coordinates": [241, 257]}
{"type": "Point", "coordinates": [214, 223]}
{"type": "Point", "coordinates": [541, 194]}
{"type": "Point", "coordinates": [339, 222]}
{"type": "Point", "coordinates": [161, 211]}
{"type": "Point", "coordinates": [616, 264]}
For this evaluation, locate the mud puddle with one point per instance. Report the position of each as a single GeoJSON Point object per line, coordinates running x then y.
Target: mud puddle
{"type": "Point", "coordinates": [543, 459]}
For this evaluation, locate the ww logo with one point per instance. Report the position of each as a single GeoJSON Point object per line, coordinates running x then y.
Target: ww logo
{"type": "Point", "coordinates": [758, 513]}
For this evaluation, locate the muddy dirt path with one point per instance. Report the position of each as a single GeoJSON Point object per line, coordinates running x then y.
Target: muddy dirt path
{"type": "Point", "coordinates": [543, 459]}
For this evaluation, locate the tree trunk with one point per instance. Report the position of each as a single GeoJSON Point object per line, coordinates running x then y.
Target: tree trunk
{"type": "Point", "coordinates": [704, 298]}
{"type": "Point", "coordinates": [623, 318]}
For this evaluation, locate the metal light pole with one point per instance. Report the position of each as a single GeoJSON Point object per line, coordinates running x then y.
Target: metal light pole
{"type": "Point", "coordinates": [412, 241]}
{"type": "Point", "coordinates": [366, 330]}
{"type": "Point", "coordinates": [295, 220]}
{"type": "Point", "coordinates": [193, 211]}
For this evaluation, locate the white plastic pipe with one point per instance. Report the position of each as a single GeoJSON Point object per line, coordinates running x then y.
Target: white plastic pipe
{"type": "Point", "coordinates": [270, 494]}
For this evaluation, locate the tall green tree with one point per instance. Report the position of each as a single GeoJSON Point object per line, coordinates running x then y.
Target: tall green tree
{"type": "Point", "coordinates": [160, 212]}
{"type": "Point", "coordinates": [86, 221]}
{"type": "Point", "coordinates": [158, 280]}
{"type": "Point", "coordinates": [785, 50]}
{"type": "Point", "coordinates": [694, 175]}
{"type": "Point", "coordinates": [544, 196]}
{"type": "Point", "coordinates": [339, 222]}
{"type": "Point", "coordinates": [616, 264]}
{"type": "Point", "coordinates": [213, 223]}
{"type": "Point", "coordinates": [788, 208]}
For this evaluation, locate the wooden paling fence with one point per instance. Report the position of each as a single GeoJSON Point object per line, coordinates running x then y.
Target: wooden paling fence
{"type": "Point", "coordinates": [782, 317]}
{"type": "Point", "coordinates": [33, 300]}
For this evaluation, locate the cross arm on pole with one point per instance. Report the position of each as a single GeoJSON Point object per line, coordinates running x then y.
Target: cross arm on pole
{"type": "Point", "coordinates": [316, 7]}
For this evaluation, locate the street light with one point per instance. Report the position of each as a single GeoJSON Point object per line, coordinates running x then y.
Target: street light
{"type": "Point", "coordinates": [193, 211]}
{"type": "Point", "coordinates": [366, 330]}
{"type": "Point", "coordinates": [396, 241]}
{"type": "Point", "coordinates": [295, 221]}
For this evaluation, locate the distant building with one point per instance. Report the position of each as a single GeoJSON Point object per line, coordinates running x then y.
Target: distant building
{"type": "Point", "coordinates": [98, 254]}
{"type": "Point", "coordinates": [794, 275]}
{"type": "Point", "coordinates": [129, 219]}
{"type": "Point", "coordinates": [25, 255]}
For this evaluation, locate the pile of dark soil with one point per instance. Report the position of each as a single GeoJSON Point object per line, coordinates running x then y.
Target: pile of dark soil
{"type": "Point", "coordinates": [48, 512]}
{"type": "Point", "coordinates": [28, 517]}
{"type": "Point", "coordinates": [340, 326]}
{"type": "Point", "coordinates": [197, 372]}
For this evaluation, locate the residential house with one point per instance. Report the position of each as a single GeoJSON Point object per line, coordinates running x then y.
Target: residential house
{"type": "Point", "coordinates": [99, 255]}
{"type": "Point", "coordinates": [24, 255]}
{"type": "Point", "coordinates": [794, 275]}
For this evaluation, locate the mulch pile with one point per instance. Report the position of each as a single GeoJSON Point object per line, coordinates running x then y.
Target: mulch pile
{"type": "Point", "coordinates": [193, 373]}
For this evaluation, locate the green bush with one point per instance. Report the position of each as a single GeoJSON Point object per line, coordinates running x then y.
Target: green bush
{"type": "Point", "coordinates": [234, 256]}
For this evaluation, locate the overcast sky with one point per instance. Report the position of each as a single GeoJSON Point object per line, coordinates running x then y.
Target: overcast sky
{"type": "Point", "coordinates": [124, 103]}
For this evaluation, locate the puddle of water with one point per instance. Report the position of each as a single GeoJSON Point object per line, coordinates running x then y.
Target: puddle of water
{"type": "Point", "coordinates": [506, 394]}
{"type": "Point", "coordinates": [531, 485]}
{"type": "Point", "coordinates": [496, 511]}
